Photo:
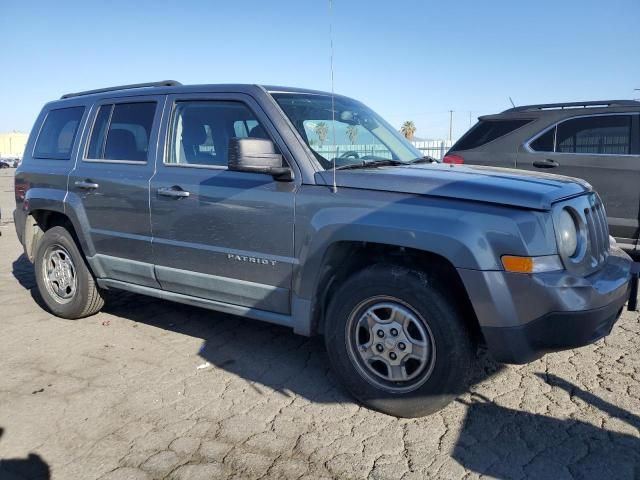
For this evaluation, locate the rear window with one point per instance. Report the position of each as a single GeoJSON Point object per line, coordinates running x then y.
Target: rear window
{"type": "Point", "coordinates": [58, 133]}
{"type": "Point", "coordinates": [486, 131]}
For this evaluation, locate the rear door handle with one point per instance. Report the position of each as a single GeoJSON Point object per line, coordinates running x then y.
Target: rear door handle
{"type": "Point", "coordinates": [546, 163]}
{"type": "Point", "coordinates": [175, 192]}
{"type": "Point", "coordinates": [86, 184]}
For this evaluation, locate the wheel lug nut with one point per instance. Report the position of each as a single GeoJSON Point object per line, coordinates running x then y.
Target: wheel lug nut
{"type": "Point", "coordinates": [379, 347]}
{"type": "Point", "coordinates": [401, 346]}
{"type": "Point", "coordinates": [394, 332]}
{"type": "Point", "coordinates": [380, 333]}
{"type": "Point", "coordinates": [393, 356]}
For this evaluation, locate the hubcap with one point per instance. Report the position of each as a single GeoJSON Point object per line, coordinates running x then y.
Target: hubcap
{"type": "Point", "coordinates": [391, 344]}
{"type": "Point", "coordinates": [59, 274]}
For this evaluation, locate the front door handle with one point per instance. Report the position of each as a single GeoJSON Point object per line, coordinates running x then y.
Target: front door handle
{"type": "Point", "coordinates": [546, 163]}
{"type": "Point", "coordinates": [86, 184]}
{"type": "Point", "coordinates": [175, 192]}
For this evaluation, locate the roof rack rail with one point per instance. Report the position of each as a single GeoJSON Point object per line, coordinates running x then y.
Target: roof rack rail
{"type": "Point", "coordinates": [163, 83]}
{"type": "Point", "coordinates": [562, 106]}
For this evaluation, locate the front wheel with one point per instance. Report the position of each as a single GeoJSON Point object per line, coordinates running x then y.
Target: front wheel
{"type": "Point", "coordinates": [397, 342]}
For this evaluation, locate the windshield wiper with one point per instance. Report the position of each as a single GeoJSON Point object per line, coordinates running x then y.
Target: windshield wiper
{"type": "Point", "coordinates": [374, 163]}
{"type": "Point", "coordinates": [425, 159]}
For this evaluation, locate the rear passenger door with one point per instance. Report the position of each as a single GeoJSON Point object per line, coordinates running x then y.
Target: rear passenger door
{"type": "Point", "coordinates": [218, 234]}
{"type": "Point", "coordinates": [111, 182]}
{"type": "Point", "coordinates": [603, 150]}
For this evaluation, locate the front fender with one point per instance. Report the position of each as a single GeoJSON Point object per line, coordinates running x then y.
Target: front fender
{"type": "Point", "coordinates": [469, 235]}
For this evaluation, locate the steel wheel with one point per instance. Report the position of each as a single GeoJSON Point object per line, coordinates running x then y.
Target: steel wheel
{"type": "Point", "coordinates": [59, 274]}
{"type": "Point", "coordinates": [390, 344]}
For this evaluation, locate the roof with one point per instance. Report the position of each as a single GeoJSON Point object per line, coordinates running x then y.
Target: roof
{"type": "Point", "coordinates": [572, 105]}
{"type": "Point", "coordinates": [171, 86]}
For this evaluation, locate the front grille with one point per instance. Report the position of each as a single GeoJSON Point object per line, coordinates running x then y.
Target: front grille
{"type": "Point", "coordinates": [598, 230]}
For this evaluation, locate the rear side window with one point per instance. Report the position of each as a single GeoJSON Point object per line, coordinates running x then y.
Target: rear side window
{"type": "Point", "coordinates": [486, 131]}
{"type": "Point", "coordinates": [545, 142]}
{"type": "Point", "coordinates": [58, 133]}
{"type": "Point", "coordinates": [121, 132]}
{"type": "Point", "coordinates": [610, 134]}
{"type": "Point", "coordinates": [604, 134]}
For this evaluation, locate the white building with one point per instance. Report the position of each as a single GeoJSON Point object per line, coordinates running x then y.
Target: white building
{"type": "Point", "coordinates": [12, 144]}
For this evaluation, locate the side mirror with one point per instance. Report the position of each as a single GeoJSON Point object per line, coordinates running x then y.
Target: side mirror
{"type": "Point", "coordinates": [257, 155]}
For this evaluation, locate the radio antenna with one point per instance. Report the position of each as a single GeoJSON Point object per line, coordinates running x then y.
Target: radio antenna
{"type": "Point", "coordinates": [512, 104]}
{"type": "Point", "coordinates": [333, 109]}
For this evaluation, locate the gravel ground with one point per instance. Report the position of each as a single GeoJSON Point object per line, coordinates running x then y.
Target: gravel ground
{"type": "Point", "coordinates": [149, 389]}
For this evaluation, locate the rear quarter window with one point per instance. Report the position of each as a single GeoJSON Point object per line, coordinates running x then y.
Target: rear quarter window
{"type": "Point", "coordinates": [58, 133]}
{"type": "Point", "coordinates": [486, 131]}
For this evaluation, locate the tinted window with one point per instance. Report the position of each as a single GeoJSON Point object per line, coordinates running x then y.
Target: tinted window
{"type": "Point", "coordinates": [201, 131]}
{"type": "Point", "coordinates": [99, 132]}
{"type": "Point", "coordinates": [608, 134]}
{"type": "Point", "coordinates": [58, 133]}
{"type": "Point", "coordinates": [122, 131]}
{"type": "Point", "coordinates": [545, 142]}
{"type": "Point", "coordinates": [486, 131]}
{"type": "Point", "coordinates": [242, 128]}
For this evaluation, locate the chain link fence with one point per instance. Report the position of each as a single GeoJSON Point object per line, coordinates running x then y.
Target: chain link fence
{"type": "Point", "coordinates": [431, 148]}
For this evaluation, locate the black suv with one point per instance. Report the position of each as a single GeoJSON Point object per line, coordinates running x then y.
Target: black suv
{"type": "Point", "coordinates": [597, 141]}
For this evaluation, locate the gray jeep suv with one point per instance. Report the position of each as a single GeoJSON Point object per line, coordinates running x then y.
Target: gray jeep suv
{"type": "Point", "coordinates": [598, 141]}
{"type": "Point", "coordinates": [226, 197]}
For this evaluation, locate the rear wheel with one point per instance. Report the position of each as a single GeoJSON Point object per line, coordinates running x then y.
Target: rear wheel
{"type": "Point", "coordinates": [64, 281]}
{"type": "Point", "coordinates": [398, 343]}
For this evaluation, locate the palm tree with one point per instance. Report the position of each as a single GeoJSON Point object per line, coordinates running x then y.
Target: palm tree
{"type": "Point", "coordinates": [408, 129]}
{"type": "Point", "coordinates": [322, 130]}
{"type": "Point", "coordinates": [352, 133]}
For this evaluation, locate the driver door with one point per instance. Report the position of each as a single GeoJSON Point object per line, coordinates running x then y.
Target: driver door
{"type": "Point", "coordinates": [218, 234]}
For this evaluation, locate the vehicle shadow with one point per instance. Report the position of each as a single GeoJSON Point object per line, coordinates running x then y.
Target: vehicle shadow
{"type": "Point", "coordinates": [264, 355]}
{"type": "Point", "coordinates": [506, 443]}
{"type": "Point", "coordinates": [269, 357]}
{"type": "Point", "coordinates": [494, 440]}
{"type": "Point", "coordinates": [33, 467]}
{"type": "Point", "coordinates": [22, 270]}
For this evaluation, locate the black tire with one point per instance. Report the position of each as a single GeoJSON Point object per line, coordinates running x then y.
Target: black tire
{"type": "Point", "coordinates": [444, 375]}
{"type": "Point", "coordinates": [85, 298]}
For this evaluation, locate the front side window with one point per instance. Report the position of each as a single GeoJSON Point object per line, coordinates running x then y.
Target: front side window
{"type": "Point", "coordinates": [343, 130]}
{"type": "Point", "coordinates": [121, 131]}
{"type": "Point", "coordinates": [604, 134]}
{"type": "Point", "coordinates": [58, 133]}
{"type": "Point", "coordinates": [201, 130]}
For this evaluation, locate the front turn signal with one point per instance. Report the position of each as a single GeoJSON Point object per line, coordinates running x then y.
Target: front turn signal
{"type": "Point", "coordinates": [546, 263]}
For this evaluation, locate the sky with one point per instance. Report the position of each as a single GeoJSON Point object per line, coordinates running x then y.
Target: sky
{"type": "Point", "coordinates": [410, 60]}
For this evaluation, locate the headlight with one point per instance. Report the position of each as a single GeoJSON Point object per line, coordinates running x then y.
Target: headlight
{"type": "Point", "coordinates": [567, 234]}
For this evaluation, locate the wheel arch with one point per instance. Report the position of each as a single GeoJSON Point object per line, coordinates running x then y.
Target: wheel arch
{"type": "Point", "coordinates": [50, 208]}
{"type": "Point", "coordinates": [344, 258]}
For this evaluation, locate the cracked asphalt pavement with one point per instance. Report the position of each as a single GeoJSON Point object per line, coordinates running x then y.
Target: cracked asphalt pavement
{"type": "Point", "coordinates": [148, 389]}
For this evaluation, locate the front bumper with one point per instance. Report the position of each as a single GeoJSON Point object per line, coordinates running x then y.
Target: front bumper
{"type": "Point", "coordinates": [522, 316]}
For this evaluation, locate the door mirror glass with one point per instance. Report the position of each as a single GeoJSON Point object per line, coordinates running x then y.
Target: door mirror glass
{"type": "Point", "coordinates": [257, 155]}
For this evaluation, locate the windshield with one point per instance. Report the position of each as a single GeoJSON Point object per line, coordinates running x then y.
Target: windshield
{"type": "Point", "coordinates": [354, 135]}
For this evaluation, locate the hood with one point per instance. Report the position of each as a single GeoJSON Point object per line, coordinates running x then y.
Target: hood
{"type": "Point", "coordinates": [518, 188]}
